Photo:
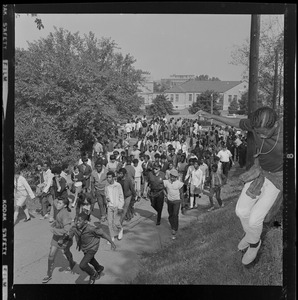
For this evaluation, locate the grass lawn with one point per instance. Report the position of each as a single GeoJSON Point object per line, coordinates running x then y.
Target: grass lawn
{"type": "Point", "coordinates": [206, 251]}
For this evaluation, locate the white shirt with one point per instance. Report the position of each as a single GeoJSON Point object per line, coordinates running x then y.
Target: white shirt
{"type": "Point", "coordinates": [139, 125]}
{"type": "Point", "coordinates": [22, 188]}
{"type": "Point", "coordinates": [224, 155]}
{"type": "Point", "coordinates": [196, 177]}
{"type": "Point", "coordinates": [114, 194]}
{"type": "Point", "coordinates": [48, 180]}
{"type": "Point", "coordinates": [88, 162]}
{"type": "Point", "coordinates": [173, 189]}
{"type": "Point", "coordinates": [136, 153]}
{"type": "Point", "coordinates": [204, 169]}
{"type": "Point", "coordinates": [138, 169]}
{"type": "Point", "coordinates": [128, 127]}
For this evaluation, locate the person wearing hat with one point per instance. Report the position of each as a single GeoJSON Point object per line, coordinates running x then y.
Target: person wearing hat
{"type": "Point", "coordinates": [173, 196]}
{"type": "Point", "coordinates": [156, 194]}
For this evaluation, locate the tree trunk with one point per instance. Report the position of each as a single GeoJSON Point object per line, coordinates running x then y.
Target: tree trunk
{"type": "Point", "coordinates": [253, 83]}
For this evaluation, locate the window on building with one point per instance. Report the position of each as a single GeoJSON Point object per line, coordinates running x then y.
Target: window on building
{"type": "Point", "coordinates": [230, 98]}
{"type": "Point", "coordinates": [235, 97]}
{"type": "Point", "coordinates": [172, 98]}
{"type": "Point", "coordinates": [190, 97]}
{"type": "Point", "coordinates": [177, 97]}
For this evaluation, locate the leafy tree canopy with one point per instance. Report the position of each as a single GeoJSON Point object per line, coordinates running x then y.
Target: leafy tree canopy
{"type": "Point", "coordinates": [160, 106]}
{"type": "Point", "coordinates": [243, 102]}
{"type": "Point", "coordinates": [82, 82]}
{"type": "Point", "coordinates": [203, 102]}
{"type": "Point", "coordinates": [270, 48]}
{"type": "Point", "coordinates": [206, 77]}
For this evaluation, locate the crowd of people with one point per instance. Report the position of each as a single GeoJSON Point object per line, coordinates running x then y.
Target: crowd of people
{"type": "Point", "coordinates": [172, 161]}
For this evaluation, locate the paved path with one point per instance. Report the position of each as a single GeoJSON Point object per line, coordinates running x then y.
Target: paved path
{"type": "Point", "coordinates": [32, 243]}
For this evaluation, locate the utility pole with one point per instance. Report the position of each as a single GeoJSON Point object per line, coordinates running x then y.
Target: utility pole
{"type": "Point", "coordinates": [211, 121]}
{"type": "Point", "coordinates": [253, 82]}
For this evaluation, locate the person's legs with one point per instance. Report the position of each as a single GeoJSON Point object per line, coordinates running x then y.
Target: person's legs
{"type": "Point", "coordinates": [212, 191]}
{"type": "Point", "coordinates": [159, 206]}
{"type": "Point", "coordinates": [252, 212]}
{"type": "Point", "coordinates": [192, 198]}
{"type": "Point", "coordinates": [51, 258]}
{"type": "Point", "coordinates": [26, 211]}
{"type": "Point", "coordinates": [84, 264]}
{"type": "Point", "coordinates": [225, 167]}
{"type": "Point", "coordinates": [98, 268]}
{"type": "Point", "coordinates": [78, 190]}
{"type": "Point", "coordinates": [44, 205]}
{"type": "Point", "coordinates": [145, 187]}
{"type": "Point", "coordinates": [170, 212]}
{"type": "Point", "coordinates": [101, 204]}
{"type": "Point", "coordinates": [112, 212]}
{"type": "Point", "coordinates": [16, 213]}
{"type": "Point", "coordinates": [217, 194]}
{"type": "Point", "coordinates": [138, 186]}
{"type": "Point", "coordinates": [253, 220]}
{"type": "Point", "coordinates": [125, 208]}
{"type": "Point", "coordinates": [68, 255]}
{"type": "Point", "coordinates": [175, 217]}
{"type": "Point", "coordinates": [259, 211]}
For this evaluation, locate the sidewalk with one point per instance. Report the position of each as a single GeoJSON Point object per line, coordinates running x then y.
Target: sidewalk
{"type": "Point", "coordinates": [32, 244]}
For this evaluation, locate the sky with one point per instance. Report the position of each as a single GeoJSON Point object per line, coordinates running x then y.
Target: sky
{"type": "Point", "coordinates": [162, 44]}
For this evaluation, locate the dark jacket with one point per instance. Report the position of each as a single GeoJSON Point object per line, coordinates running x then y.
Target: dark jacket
{"type": "Point", "coordinates": [128, 187]}
{"type": "Point", "coordinates": [88, 238]}
{"type": "Point", "coordinates": [86, 171]}
{"type": "Point", "coordinates": [63, 188]}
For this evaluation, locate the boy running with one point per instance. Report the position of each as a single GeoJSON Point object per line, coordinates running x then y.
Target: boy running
{"type": "Point", "coordinates": [88, 238]}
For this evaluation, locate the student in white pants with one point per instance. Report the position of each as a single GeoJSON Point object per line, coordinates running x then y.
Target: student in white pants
{"type": "Point", "coordinates": [252, 212]}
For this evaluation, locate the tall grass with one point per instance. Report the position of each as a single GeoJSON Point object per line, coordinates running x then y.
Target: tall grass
{"type": "Point", "coordinates": [206, 252]}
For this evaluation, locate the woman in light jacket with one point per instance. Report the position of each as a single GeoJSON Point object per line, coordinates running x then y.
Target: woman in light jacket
{"type": "Point", "coordinates": [21, 190]}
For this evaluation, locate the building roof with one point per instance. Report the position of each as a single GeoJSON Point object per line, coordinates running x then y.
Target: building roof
{"type": "Point", "coordinates": [200, 86]}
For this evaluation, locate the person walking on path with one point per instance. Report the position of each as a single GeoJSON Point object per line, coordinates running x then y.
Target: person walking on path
{"type": "Point", "coordinates": [47, 196]}
{"type": "Point", "coordinates": [21, 190]}
{"type": "Point", "coordinates": [138, 175]}
{"type": "Point", "coordinates": [261, 196]}
{"type": "Point", "coordinates": [225, 156]}
{"type": "Point", "coordinates": [88, 238]}
{"type": "Point", "coordinates": [77, 178]}
{"type": "Point", "coordinates": [86, 170]}
{"type": "Point", "coordinates": [61, 227]}
{"type": "Point", "coordinates": [115, 202]}
{"type": "Point", "coordinates": [98, 182]}
{"type": "Point", "coordinates": [173, 196]}
{"type": "Point", "coordinates": [156, 194]}
{"type": "Point", "coordinates": [129, 192]}
{"type": "Point", "coordinates": [216, 182]}
{"type": "Point", "coordinates": [59, 187]}
{"type": "Point", "coordinates": [195, 181]}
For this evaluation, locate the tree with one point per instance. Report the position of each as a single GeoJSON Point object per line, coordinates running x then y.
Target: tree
{"type": "Point", "coordinates": [271, 61]}
{"type": "Point", "coordinates": [38, 21]}
{"type": "Point", "coordinates": [206, 77]}
{"type": "Point", "coordinates": [160, 106]}
{"type": "Point", "coordinates": [243, 102]}
{"type": "Point", "coordinates": [38, 138]}
{"type": "Point", "coordinates": [81, 82]}
{"type": "Point", "coordinates": [203, 102]}
{"type": "Point", "coordinates": [160, 87]}
{"type": "Point", "coordinates": [233, 108]}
